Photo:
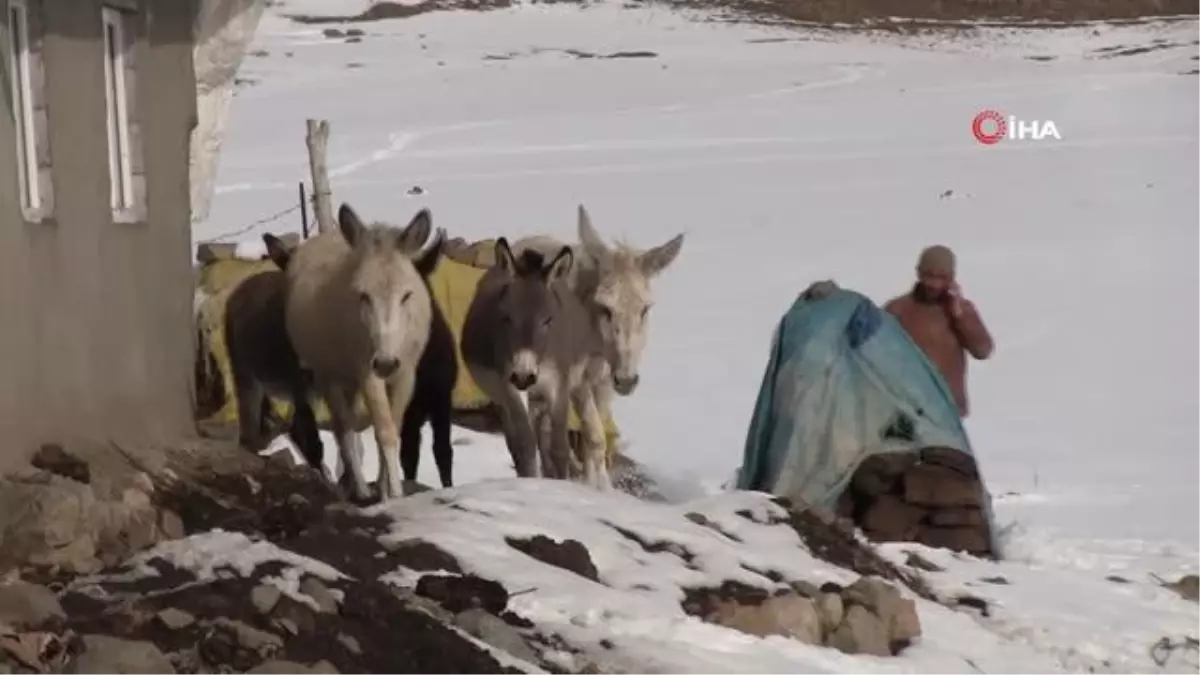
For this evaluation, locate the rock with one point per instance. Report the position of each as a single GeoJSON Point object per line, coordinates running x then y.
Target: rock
{"type": "Point", "coordinates": [293, 616]}
{"type": "Point", "coordinates": [323, 667]}
{"type": "Point", "coordinates": [861, 632]}
{"type": "Point", "coordinates": [26, 605]}
{"type": "Point", "coordinates": [237, 645]}
{"type": "Point", "coordinates": [47, 523]}
{"type": "Point", "coordinates": [283, 667]}
{"type": "Point", "coordinates": [494, 631]}
{"type": "Point", "coordinates": [170, 525]}
{"type": "Point", "coordinates": [313, 588]}
{"type": "Point", "coordinates": [951, 458]}
{"type": "Point", "coordinates": [954, 517]}
{"type": "Point", "coordinates": [832, 609]}
{"type": "Point", "coordinates": [880, 474]}
{"type": "Point", "coordinates": [892, 519]}
{"type": "Point", "coordinates": [968, 539]}
{"type": "Point", "coordinates": [919, 562]}
{"type": "Point", "coordinates": [897, 614]}
{"type": "Point", "coordinates": [806, 589]}
{"type": "Point", "coordinates": [105, 654]}
{"type": "Point", "coordinates": [998, 580]}
{"type": "Point", "coordinates": [264, 598]}
{"type": "Point", "coordinates": [568, 554]}
{"type": "Point", "coordinates": [350, 643]}
{"type": "Point", "coordinates": [789, 615]}
{"type": "Point", "coordinates": [175, 619]}
{"type": "Point", "coordinates": [51, 457]}
{"type": "Point", "coordinates": [936, 485]}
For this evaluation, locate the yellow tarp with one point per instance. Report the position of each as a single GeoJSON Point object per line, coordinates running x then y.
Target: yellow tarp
{"type": "Point", "coordinates": [453, 285]}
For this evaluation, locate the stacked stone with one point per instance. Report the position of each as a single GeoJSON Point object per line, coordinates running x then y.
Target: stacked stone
{"type": "Point", "coordinates": [934, 497]}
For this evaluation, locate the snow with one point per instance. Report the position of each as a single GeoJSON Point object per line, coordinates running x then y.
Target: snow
{"type": "Point", "coordinates": [210, 554]}
{"type": "Point", "coordinates": [789, 156]}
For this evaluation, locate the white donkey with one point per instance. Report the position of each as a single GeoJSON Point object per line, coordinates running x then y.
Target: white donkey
{"type": "Point", "coordinates": [614, 285]}
{"type": "Point", "coordinates": [358, 313]}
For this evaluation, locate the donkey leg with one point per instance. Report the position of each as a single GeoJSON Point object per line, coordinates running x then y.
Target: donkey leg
{"type": "Point", "coordinates": [250, 396]}
{"type": "Point", "coordinates": [410, 438]}
{"type": "Point", "coordinates": [543, 428]}
{"type": "Point", "coordinates": [304, 432]}
{"type": "Point", "coordinates": [341, 413]}
{"type": "Point", "coordinates": [514, 418]}
{"type": "Point", "coordinates": [602, 390]}
{"type": "Point", "coordinates": [559, 416]}
{"type": "Point", "coordinates": [396, 395]}
{"type": "Point", "coordinates": [592, 437]}
{"type": "Point", "coordinates": [439, 410]}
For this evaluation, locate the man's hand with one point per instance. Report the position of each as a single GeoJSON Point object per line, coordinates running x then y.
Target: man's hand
{"type": "Point", "coordinates": [954, 302]}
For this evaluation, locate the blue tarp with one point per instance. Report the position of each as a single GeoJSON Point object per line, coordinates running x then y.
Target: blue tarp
{"type": "Point", "coordinates": [844, 382]}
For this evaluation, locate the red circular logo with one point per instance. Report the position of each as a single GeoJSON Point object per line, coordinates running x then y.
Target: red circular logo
{"type": "Point", "coordinates": [989, 127]}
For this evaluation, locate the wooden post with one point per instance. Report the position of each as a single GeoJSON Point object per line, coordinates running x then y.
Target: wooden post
{"type": "Point", "coordinates": [318, 141]}
{"type": "Point", "coordinates": [303, 211]}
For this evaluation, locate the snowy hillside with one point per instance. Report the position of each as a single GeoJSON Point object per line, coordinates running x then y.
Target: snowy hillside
{"type": "Point", "coordinates": [787, 157]}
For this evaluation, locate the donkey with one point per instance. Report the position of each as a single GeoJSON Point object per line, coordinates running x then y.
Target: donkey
{"type": "Point", "coordinates": [525, 330]}
{"type": "Point", "coordinates": [358, 312]}
{"type": "Point", "coordinates": [613, 283]}
{"type": "Point", "coordinates": [433, 392]}
{"type": "Point", "coordinates": [263, 361]}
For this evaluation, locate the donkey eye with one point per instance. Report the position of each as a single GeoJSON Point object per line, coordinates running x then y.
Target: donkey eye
{"type": "Point", "coordinates": [606, 313]}
{"type": "Point", "coordinates": [407, 295]}
{"type": "Point", "coordinates": [645, 312]}
{"type": "Point", "coordinates": [548, 320]}
{"type": "Point", "coordinates": [365, 299]}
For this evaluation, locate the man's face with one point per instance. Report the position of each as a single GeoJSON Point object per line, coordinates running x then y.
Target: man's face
{"type": "Point", "coordinates": [935, 284]}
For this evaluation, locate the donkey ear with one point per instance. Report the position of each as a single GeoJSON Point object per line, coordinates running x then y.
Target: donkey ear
{"type": "Point", "coordinates": [277, 251]}
{"type": "Point", "coordinates": [416, 232]}
{"type": "Point", "coordinates": [504, 257]}
{"type": "Point", "coordinates": [658, 258]}
{"type": "Point", "coordinates": [426, 261]}
{"type": "Point", "coordinates": [593, 245]}
{"type": "Point", "coordinates": [351, 225]}
{"type": "Point", "coordinates": [561, 265]}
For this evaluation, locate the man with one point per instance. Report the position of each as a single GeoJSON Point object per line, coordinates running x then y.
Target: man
{"type": "Point", "coordinates": [944, 324]}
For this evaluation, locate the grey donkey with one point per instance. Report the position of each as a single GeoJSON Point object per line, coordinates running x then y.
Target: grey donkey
{"type": "Point", "coordinates": [613, 283]}
{"type": "Point", "coordinates": [358, 313]}
{"type": "Point", "coordinates": [527, 331]}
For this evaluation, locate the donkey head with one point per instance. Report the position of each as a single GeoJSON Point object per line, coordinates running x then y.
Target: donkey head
{"type": "Point", "coordinates": [527, 309]}
{"type": "Point", "coordinates": [386, 280]}
{"type": "Point", "coordinates": [622, 299]}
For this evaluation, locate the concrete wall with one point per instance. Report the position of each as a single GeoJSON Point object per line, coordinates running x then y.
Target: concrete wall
{"type": "Point", "coordinates": [96, 334]}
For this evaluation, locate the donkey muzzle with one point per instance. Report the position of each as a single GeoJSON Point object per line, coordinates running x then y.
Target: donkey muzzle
{"type": "Point", "coordinates": [522, 381]}
{"type": "Point", "coordinates": [385, 366]}
{"type": "Point", "coordinates": [625, 385]}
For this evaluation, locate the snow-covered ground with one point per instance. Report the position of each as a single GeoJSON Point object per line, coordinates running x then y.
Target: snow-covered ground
{"type": "Point", "coordinates": [789, 157]}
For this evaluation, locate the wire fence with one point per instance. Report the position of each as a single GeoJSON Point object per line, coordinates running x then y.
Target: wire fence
{"type": "Point", "coordinates": [248, 227]}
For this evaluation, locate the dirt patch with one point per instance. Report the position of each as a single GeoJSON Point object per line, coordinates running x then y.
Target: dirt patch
{"type": "Point", "coordinates": [661, 546]}
{"type": "Point", "coordinates": [459, 593]}
{"type": "Point", "coordinates": [837, 546]}
{"type": "Point", "coordinates": [568, 554]}
{"type": "Point", "coordinates": [393, 10]}
{"type": "Point", "coordinates": [703, 601]}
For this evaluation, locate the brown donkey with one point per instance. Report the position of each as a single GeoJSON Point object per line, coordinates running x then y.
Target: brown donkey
{"type": "Point", "coordinates": [358, 312]}
{"type": "Point", "coordinates": [263, 361]}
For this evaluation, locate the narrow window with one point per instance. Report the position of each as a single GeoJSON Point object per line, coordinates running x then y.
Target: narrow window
{"type": "Point", "coordinates": [22, 98]}
{"type": "Point", "coordinates": [116, 54]}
